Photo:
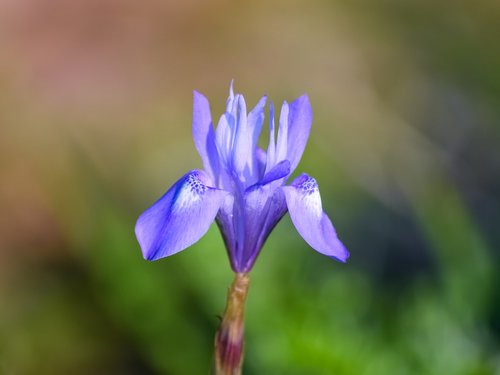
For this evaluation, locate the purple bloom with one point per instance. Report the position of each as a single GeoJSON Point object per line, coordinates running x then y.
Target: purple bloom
{"type": "Point", "coordinates": [242, 186]}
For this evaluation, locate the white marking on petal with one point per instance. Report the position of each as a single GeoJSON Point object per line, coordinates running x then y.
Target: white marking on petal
{"type": "Point", "coordinates": [310, 196]}
{"type": "Point", "coordinates": [282, 145]}
{"type": "Point", "coordinates": [242, 149]}
{"type": "Point", "coordinates": [223, 137]}
{"type": "Point", "coordinates": [191, 193]}
{"type": "Point", "coordinates": [180, 217]}
{"type": "Point", "coordinates": [230, 99]}
{"type": "Point", "coordinates": [271, 148]}
{"type": "Point", "coordinates": [304, 205]}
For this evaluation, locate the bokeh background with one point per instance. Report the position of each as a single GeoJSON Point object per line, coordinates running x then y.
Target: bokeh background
{"type": "Point", "coordinates": [95, 122]}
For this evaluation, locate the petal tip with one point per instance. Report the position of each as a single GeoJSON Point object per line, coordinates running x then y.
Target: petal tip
{"type": "Point", "coordinates": [343, 255]}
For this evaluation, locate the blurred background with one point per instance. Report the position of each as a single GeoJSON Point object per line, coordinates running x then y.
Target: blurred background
{"type": "Point", "coordinates": [95, 124]}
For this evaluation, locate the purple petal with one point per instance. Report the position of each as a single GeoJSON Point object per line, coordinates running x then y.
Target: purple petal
{"type": "Point", "coordinates": [299, 126]}
{"type": "Point", "coordinates": [256, 119]}
{"type": "Point", "coordinates": [254, 122]}
{"type": "Point", "coordinates": [304, 204]}
{"type": "Point", "coordinates": [228, 127]}
{"type": "Point", "coordinates": [245, 225]}
{"type": "Point", "coordinates": [203, 134]}
{"type": "Point", "coordinates": [179, 218]}
{"type": "Point", "coordinates": [271, 148]}
{"type": "Point", "coordinates": [282, 141]}
{"type": "Point", "coordinates": [264, 208]}
{"type": "Point", "coordinates": [242, 149]}
{"type": "Point", "coordinates": [260, 160]}
{"type": "Point", "coordinates": [280, 170]}
{"type": "Point", "coordinates": [224, 137]}
{"type": "Point", "coordinates": [229, 101]}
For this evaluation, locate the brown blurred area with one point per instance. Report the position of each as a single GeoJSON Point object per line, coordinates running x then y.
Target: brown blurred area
{"type": "Point", "coordinates": [92, 70]}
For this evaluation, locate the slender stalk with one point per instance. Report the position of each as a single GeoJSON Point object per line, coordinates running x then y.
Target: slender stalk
{"type": "Point", "coordinates": [229, 337]}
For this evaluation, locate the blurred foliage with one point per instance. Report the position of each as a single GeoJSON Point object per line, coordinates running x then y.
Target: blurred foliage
{"type": "Point", "coordinates": [95, 119]}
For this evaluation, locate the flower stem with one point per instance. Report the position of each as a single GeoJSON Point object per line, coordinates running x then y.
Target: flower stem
{"type": "Point", "coordinates": [229, 337]}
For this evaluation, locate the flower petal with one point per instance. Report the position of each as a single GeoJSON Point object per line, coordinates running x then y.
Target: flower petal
{"type": "Point", "coordinates": [229, 101]}
{"type": "Point", "coordinates": [203, 134]}
{"type": "Point", "coordinates": [224, 138]}
{"type": "Point", "coordinates": [280, 170]}
{"type": "Point", "coordinates": [245, 225]}
{"type": "Point", "coordinates": [304, 204]}
{"type": "Point", "coordinates": [254, 122]}
{"type": "Point", "coordinates": [282, 142]}
{"type": "Point", "coordinates": [299, 126]}
{"type": "Point", "coordinates": [242, 149]}
{"type": "Point", "coordinates": [271, 148]}
{"type": "Point", "coordinates": [179, 218]}
{"type": "Point", "coordinates": [260, 161]}
{"type": "Point", "coordinates": [264, 207]}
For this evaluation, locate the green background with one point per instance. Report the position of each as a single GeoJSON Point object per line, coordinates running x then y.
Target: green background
{"type": "Point", "coordinates": [95, 122]}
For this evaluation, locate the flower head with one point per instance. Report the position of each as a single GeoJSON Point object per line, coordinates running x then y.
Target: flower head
{"type": "Point", "coordinates": [242, 187]}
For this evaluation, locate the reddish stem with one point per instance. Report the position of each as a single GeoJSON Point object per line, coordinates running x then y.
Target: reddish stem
{"type": "Point", "coordinates": [229, 337]}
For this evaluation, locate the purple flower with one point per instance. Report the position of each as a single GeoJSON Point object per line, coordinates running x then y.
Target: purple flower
{"type": "Point", "coordinates": [242, 186]}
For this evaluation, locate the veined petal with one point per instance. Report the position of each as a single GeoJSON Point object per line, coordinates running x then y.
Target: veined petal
{"type": "Point", "coordinates": [299, 126]}
{"type": "Point", "coordinates": [229, 101]}
{"type": "Point", "coordinates": [264, 207]}
{"type": "Point", "coordinates": [254, 122]}
{"type": "Point", "coordinates": [260, 160]}
{"type": "Point", "coordinates": [203, 134]}
{"type": "Point", "coordinates": [304, 204]}
{"type": "Point", "coordinates": [224, 137]}
{"type": "Point", "coordinates": [282, 144]}
{"type": "Point", "coordinates": [242, 150]}
{"type": "Point", "coordinates": [271, 148]}
{"type": "Point", "coordinates": [280, 170]}
{"type": "Point", "coordinates": [256, 119]}
{"type": "Point", "coordinates": [179, 218]}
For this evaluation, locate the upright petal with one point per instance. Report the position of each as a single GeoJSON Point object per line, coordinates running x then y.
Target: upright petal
{"type": "Point", "coordinates": [304, 204]}
{"type": "Point", "coordinates": [203, 134]}
{"type": "Point", "coordinates": [254, 122]}
{"type": "Point", "coordinates": [224, 135]}
{"type": "Point", "coordinates": [230, 99]}
{"type": "Point", "coordinates": [299, 126]}
{"type": "Point", "coordinates": [242, 149]}
{"type": "Point", "coordinates": [179, 218]}
{"type": "Point", "coordinates": [282, 142]}
{"type": "Point", "coordinates": [271, 148]}
{"type": "Point", "coordinates": [256, 119]}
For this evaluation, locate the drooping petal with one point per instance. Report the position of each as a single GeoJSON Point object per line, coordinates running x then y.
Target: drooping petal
{"type": "Point", "coordinates": [203, 134]}
{"type": "Point", "coordinates": [299, 126]}
{"type": "Point", "coordinates": [304, 204]}
{"type": "Point", "coordinates": [179, 218]}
